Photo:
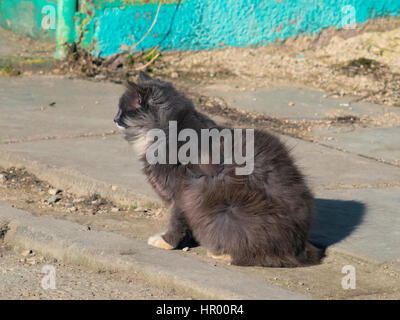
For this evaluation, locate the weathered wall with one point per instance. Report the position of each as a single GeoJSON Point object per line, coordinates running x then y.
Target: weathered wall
{"type": "Point", "coordinates": [108, 26]}
{"type": "Point", "coordinates": [30, 17]}
{"type": "Point", "coordinates": [205, 24]}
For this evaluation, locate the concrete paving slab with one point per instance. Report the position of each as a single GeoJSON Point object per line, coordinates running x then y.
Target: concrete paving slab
{"type": "Point", "coordinates": [81, 107]}
{"type": "Point", "coordinates": [73, 243]}
{"type": "Point", "coordinates": [103, 165]}
{"type": "Point", "coordinates": [87, 165]}
{"type": "Point", "coordinates": [308, 104]}
{"type": "Point", "coordinates": [328, 168]}
{"type": "Point", "coordinates": [377, 143]}
{"type": "Point", "coordinates": [111, 161]}
{"type": "Point", "coordinates": [108, 165]}
{"type": "Point", "coordinates": [362, 222]}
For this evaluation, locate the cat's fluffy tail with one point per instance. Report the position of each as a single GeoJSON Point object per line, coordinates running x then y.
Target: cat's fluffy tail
{"type": "Point", "coordinates": [310, 256]}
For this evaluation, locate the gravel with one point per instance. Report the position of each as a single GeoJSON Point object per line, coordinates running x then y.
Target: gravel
{"type": "Point", "coordinates": [22, 275]}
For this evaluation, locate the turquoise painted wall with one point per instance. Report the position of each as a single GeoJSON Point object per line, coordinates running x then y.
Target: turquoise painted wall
{"type": "Point", "coordinates": [29, 17]}
{"type": "Point", "coordinates": [104, 26]}
{"type": "Point", "coordinates": [206, 24]}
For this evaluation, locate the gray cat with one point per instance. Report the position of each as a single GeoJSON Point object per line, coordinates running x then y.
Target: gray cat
{"type": "Point", "coordinates": [260, 219]}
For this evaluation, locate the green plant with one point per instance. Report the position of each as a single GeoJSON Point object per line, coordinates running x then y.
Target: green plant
{"type": "Point", "coordinates": [10, 71]}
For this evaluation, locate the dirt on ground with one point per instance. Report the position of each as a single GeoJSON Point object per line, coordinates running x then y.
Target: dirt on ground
{"type": "Point", "coordinates": [20, 54]}
{"type": "Point", "coordinates": [23, 190]}
{"type": "Point", "coordinates": [17, 45]}
{"type": "Point", "coordinates": [362, 63]}
{"type": "Point", "coordinates": [24, 275]}
{"type": "Point", "coordinates": [225, 114]}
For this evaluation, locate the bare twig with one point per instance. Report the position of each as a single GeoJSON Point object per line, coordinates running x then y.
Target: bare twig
{"type": "Point", "coordinates": [151, 27]}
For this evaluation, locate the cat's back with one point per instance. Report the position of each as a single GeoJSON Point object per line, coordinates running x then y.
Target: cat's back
{"type": "Point", "coordinates": [275, 170]}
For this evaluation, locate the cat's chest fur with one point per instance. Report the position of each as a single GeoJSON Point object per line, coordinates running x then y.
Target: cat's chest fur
{"type": "Point", "coordinates": [140, 145]}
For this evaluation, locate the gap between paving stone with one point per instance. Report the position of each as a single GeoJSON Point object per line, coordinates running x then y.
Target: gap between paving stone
{"type": "Point", "coordinates": [361, 222]}
{"type": "Point", "coordinates": [62, 137]}
{"type": "Point", "coordinates": [380, 144]}
{"type": "Point", "coordinates": [86, 108]}
{"type": "Point", "coordinates": [94, 165]}
{"type": "Point", "coordinates": [293, 103]}
{"type": "Point", "coordinates": [70, 163]}
{"type": "Point", "coordinates": [73, 167]}
{"type": "Point", "coordinates": [81, 184]}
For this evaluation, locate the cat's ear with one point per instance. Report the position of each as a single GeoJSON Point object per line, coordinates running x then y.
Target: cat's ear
{"type": "Point", "coordinates": [132, 98]}
{"type": "Point", "coordinates": [144, 77]}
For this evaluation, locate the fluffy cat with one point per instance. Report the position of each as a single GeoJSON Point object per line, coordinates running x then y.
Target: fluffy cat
{"type": "Point", "coordinates": [260, 219]}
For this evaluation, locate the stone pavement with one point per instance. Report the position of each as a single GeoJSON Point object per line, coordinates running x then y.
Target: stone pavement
{"type": "Point", "coordinates": [46, 107]}
{"type": "Point", "coordinates": [358, 196]}
{"type": "Point", "coordinates": [73, 243]}
{"type": "Point", "coordinates": [293, 103]}
{"type": "Point", "coordinates": [377, 143]}
{"type": "Point", "coordinates": [71, 144]}
{"type": "Point", "coordinates": [380, 142]}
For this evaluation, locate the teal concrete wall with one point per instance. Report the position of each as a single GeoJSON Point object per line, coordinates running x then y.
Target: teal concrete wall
{"type": "Point", "coordinates": [206, 24]}
{"type": "Point", "coordinates": [29, 17]}
{"type": "Point", "coordinates": [108, 26]}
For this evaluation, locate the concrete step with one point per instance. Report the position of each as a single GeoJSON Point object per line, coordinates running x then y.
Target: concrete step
{"type": "Point", "coordinates": [73, 243]}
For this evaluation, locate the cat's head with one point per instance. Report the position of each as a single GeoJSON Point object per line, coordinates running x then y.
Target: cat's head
{"type": "Point", "coordinates": [150, 103]}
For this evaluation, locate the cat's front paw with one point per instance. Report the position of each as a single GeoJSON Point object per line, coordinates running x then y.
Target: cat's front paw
{"type": "Point", "coordinates": [158, 241]}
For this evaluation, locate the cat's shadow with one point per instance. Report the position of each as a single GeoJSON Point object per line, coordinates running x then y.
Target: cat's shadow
{"type": "Point", "coordinates": [335, 220]}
